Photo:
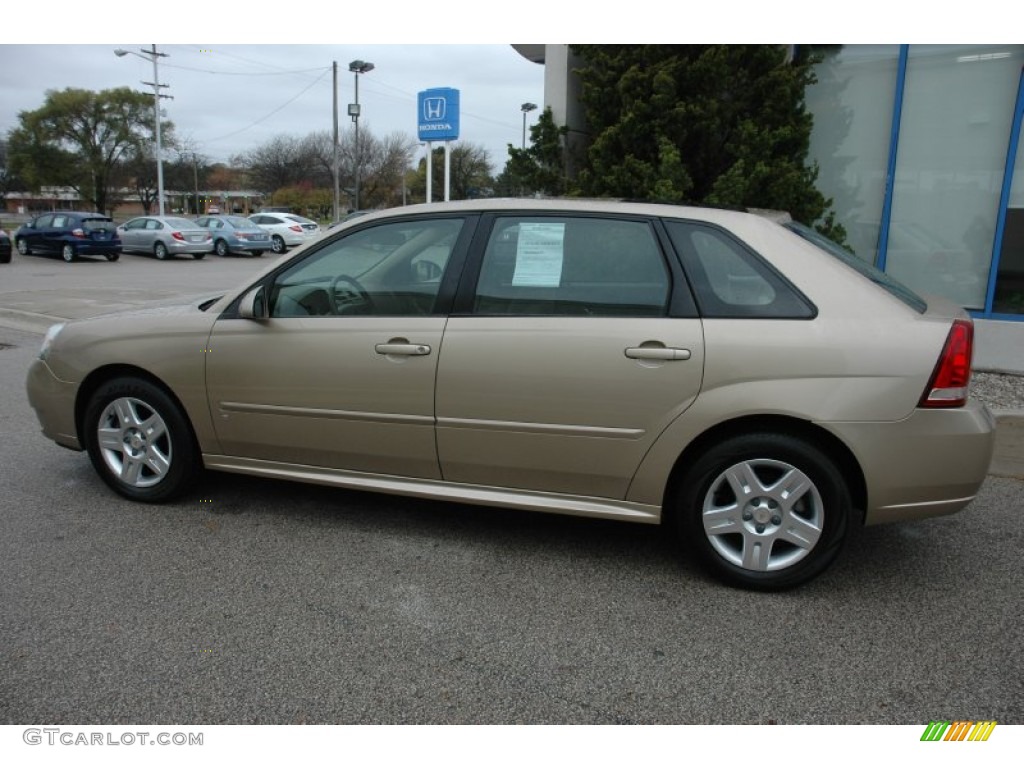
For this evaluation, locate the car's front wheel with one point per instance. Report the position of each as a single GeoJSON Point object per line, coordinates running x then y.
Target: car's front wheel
{"type": "Point", "coordinates": [764, 511]}
{"type": "Point", "coordinates": [277, 244]}
{"type": "Point", "coordinates": [23, 247]}
{"type": "Point", "coordinates": [113, 256]}
{"type": "Point", "coordinates": [160, 251]}
{"type": "Point", "coordinates": [68, 252]}
{"type": "Point", "coordinates": [222, 248]}
{"type": "Point", "coordinates": [139, 440]}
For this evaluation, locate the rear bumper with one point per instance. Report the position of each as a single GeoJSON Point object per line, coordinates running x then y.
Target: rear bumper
{"type": "Point", "coordinates": [87, 248]}
{"type": "Point", "coordinates": [179, 247]}
{"type": "Point", "coordinates": [931, 463]}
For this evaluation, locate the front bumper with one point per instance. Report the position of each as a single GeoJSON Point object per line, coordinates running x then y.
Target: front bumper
{"type": "Point", "coordinates": [53, 400]}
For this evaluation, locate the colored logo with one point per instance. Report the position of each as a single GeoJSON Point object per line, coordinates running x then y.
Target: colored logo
{"type": "Point", "coordinates": [958, 730]}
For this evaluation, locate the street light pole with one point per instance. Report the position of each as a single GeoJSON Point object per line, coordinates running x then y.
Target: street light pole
{"type": "Point", "coordinates": [527, 107]}
{"type": "Point", "coordinates": [358, 67]}
{"type": "Point", "coordinates": [334, 151]}
{"type": "Point", "coordinates": [154, 56]}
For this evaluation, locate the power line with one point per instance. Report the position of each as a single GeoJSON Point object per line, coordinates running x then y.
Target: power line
{"type": "Point", "coordinates": [271, 113]}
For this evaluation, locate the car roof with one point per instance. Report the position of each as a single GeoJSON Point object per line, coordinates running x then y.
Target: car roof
{"type": "Point", "coordinates": [597, 205]}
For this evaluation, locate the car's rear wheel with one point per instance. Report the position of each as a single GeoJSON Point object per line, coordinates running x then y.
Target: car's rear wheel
{"type": "Point", "coordinates": [277, 244]}
{"type": "Point", "coordinates": [23, 247]}
{"type": "Point", "coordinates": [113, 256]}
{"type": "Point", "coordinates": [139, 440]}
{"type": "Point", "coordinates": [764, 511]}
{"type": "Point", "coordinates": [257, 253]}
{"type": "Point", "coordinates": [68, 252]}
{"type": "Point", "coordinates": [222, 248]}
{"type": "Point", "coordinates": [198, 256]}
{"type": "Point", "coordinates": [160, 251]}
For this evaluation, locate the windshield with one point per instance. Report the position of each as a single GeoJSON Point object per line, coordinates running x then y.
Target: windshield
{"type": "Point", "coordinates": [893, 286]}
{"type": "Point", "coordinates": [239, 222]}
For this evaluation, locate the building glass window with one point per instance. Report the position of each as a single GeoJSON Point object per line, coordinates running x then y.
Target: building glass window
{"type": "Point", "coordinates": [955, 126]}
{"type": "Point", "coordinates": [1009, 293]}
{"type": "Point", "coordinates": [852, 105]}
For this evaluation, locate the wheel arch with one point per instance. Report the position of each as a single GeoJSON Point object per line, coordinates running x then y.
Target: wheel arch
{"type": "Point", "coordinates": [102, 375]}
{"type": "Point", "coordinates": [819, 437]}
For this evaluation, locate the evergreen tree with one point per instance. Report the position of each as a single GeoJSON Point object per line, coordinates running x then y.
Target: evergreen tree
{"type": "Point", "coordinates": [540, 167]}
{"type": "Point", "coordinates": [706, 124]}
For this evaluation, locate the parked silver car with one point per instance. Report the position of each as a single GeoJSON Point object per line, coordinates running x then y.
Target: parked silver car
{"type": "Point", "coordinates": [164, 236]}
{"type": "Point", "coordinates": [235, 234]}
{"type": "Point", "coordinates": [712, 371]}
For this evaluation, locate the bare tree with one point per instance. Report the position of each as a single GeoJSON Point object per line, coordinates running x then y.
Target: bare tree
{"type": "Point", "coordinates": [280, 162]}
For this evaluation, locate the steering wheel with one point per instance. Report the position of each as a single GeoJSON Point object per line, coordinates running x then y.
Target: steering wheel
{"type": "Point", "coordinates": [344, 300]}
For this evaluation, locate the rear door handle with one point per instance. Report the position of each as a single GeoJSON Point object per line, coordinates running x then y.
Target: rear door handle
{"type": "Point", "coordinates": [394, 348]}
{"type": "Point", "coordinates": [657, 353]}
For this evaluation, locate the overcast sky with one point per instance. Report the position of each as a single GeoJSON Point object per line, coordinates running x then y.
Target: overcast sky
{"type": "Point", "coordinates": [267, 70]}
{"type": "Point", "coordinates": [229, 98]}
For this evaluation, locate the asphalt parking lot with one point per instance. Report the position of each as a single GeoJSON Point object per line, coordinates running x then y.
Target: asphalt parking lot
{"type": "Point", "coordinates": [256, 601]}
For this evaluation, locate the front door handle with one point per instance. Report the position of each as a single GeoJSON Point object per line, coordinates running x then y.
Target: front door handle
{"type": "Point", "coordinates": [402, 348]}
{"type": "Point", "coordinates": [657, 353]}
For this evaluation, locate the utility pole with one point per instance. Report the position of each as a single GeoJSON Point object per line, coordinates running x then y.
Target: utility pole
{"type": "Point", "coordinates": [334, 152]}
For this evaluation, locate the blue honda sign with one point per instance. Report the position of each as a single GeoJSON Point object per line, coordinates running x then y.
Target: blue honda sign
{"type": "Point", "coordinates": [438, 114]}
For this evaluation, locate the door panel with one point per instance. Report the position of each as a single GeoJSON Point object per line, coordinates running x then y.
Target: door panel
{"type": "Point", "coordinates": [557, 404]}
{"type": "Point", "coordinates": [568, 367]}
{"type": "Point", "coordinates": [316, 391]}
{"type": "Point", "coordinates": [341, 372]}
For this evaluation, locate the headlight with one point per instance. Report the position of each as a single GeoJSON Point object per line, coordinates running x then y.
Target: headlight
{"type": "Point", "coordinates": [51, 335]}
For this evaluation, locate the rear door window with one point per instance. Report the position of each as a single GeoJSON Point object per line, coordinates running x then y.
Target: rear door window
{"type": "Point", "coordinates": [573, 266]}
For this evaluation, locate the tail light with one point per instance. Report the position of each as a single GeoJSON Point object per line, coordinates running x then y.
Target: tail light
{"type": "Point", "coordinates": [948, 387]}
{"type": "Point", "coordinates": [295, 228]}
{"type": "Point", "coordinates": [78, 232]}
{"type": "Point", "coordinates": [178, 236]}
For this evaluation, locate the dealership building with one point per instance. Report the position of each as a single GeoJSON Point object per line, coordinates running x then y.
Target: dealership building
{"type": "Point", "coordinates": [917, 145]}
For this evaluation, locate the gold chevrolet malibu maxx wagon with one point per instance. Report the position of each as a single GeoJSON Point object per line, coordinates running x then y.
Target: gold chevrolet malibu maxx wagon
{"type": "Point", "coordinates": [755, 389]}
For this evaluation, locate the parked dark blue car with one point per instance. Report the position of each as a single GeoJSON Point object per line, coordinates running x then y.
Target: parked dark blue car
{"type": "Point", "coordinates": [69, 234]}
{"type": "Point", "coordinates": [5, 247]}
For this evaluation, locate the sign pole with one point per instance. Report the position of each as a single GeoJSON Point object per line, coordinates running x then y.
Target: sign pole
{"type": "Point", "coordinates": [447, 171]}
{"type": "Point", "coordinates": [430, 171]}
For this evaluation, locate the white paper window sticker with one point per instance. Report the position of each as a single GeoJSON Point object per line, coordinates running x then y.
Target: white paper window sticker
{"type": "Point", "coordinates": [540, 251]}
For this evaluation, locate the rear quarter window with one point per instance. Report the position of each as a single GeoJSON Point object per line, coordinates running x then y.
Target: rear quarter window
{"type": "Point", "coordinates": [730, 280]}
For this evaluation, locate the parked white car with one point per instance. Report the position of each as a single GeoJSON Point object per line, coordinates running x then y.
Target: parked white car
{"type": "Point", "coordinates": [287, 230]}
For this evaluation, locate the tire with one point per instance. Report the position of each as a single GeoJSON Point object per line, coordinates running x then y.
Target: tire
{"type": "Point", "coordinates": [764, 511]}
{"type": "Point", "coordinates": [160, 251]}
{"type": "Point", "coordinates": [139, 441]}
{"type": "Point", "coordinates": [277, 244]}
{"type": "Point", "coordinates": [68, 252]}
{"type": "Point", "coordinates": [23, 247]}
{"type": "Point", "coordinates": [198, 256]}
{"type": "Point", "coordinates": [221, 248]}
{"type": "Point", "coordinates": [113, 256]}
{"type": "Point", "coordinates": [256, 253]}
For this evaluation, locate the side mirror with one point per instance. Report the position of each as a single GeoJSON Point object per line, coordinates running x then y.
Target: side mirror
{"type": "Point", "coordinates": [254, 305]}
